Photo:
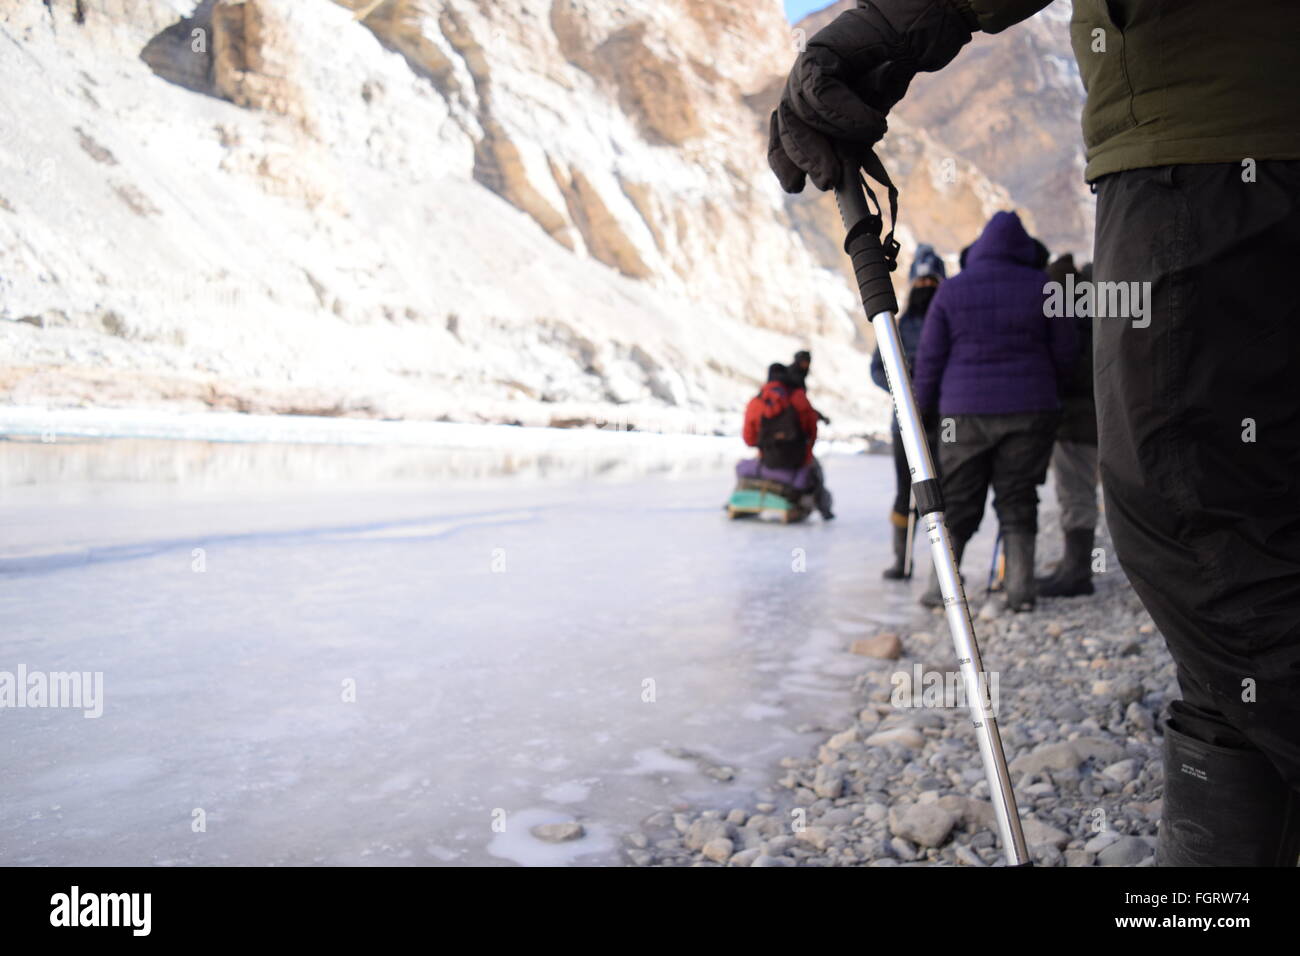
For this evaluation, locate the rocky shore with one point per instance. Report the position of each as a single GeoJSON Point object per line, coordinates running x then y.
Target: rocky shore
{"type": "Point", "coordinates": [1080, 685]}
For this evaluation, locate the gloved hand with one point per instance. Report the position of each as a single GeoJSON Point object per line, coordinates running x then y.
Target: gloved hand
{"type": "Point", "coordinates": [825, 420]}
{"type": "Point", "coordinates": [852, 73]}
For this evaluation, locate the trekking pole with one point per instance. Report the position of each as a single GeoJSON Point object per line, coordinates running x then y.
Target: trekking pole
{"type": "Point", "coordinates": [995, 580]}
{"type": "Point", "coordinates": [911, 534]}
{"type": "Point", "coordinates": [871, 268]}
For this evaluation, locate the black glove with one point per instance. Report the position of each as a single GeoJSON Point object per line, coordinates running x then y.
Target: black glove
{"type": "Point", "coordinates": [825, 420]}
{"type": "Point", "coordinates": [854, 70]}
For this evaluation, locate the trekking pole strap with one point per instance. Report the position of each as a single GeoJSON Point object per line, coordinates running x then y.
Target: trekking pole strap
{"type": "Point", "coordinates": [873, 261]}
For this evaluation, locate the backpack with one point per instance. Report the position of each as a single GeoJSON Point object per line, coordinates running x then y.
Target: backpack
{"type": "Point", "coordinates": [781, 442]}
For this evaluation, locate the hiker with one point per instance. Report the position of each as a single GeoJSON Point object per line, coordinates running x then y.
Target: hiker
{"type": "Point", "coordinates": [926, 272]}
{"type": "Point", "coordinates": [990, 363]}
{"type": "Point", "coordinates": [797, 374]}
{"type": "Point", "coordinates": [1074, 456]}
{"type": "Point", "coordinates": [781, 424]}
{"type": "Point", "coordinates": [1041, 256]}
{"type": "Point", "coordinates": [1198, 413]}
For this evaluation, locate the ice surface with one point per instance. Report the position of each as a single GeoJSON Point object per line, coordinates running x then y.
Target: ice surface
{"type": "Point", "coordinates": [500, 635]}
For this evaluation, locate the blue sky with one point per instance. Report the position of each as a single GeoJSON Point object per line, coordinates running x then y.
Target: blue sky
{"type": "Point", "coordinates": [798, 9]}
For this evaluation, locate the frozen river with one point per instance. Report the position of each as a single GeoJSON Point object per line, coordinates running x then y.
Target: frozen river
{"type": "Point", "coordinates": [322, 661]}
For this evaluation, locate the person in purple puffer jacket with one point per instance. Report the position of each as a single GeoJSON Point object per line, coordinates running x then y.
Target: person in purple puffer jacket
{"type": "Point", "coordinates": [990, 363]}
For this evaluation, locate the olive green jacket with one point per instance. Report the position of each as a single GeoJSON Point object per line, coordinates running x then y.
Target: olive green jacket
{"type": "Point", "coordinates": [1177, 81]}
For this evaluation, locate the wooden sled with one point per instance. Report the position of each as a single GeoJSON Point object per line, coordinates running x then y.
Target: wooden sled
{"type": "Point", "coordinates": [755, 497]}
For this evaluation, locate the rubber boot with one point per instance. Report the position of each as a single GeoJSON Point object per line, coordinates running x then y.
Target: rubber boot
{"type": "Point", "coordinates": [1073, 576]}
{"type": "Point", "coordinates": [824, 504]}
{"type": "Point", "coordinates": [1019, 549]}
{"type": "Point", "coordinates": [1224, 807]}
{"type": "Point", "coordinates": [933, 596]}
{"type": "Point", "coordinates": [897, 571]}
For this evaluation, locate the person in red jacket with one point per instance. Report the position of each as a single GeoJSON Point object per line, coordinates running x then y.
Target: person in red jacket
{"type": "Point", "coordinates": [808, 419]}
{"type": "Point", "coordinates": [782, 391]}
{"type": "Point", "coordinates": [799, 377]}
{"type": "Point", "coordinates": [770, 400]}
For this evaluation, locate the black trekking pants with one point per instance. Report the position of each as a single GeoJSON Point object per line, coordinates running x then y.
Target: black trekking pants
{"type": "Point", "coordinates": [821, 494]}
{"type": "Point", "coordinates": [1198, 409]}
{"type": "Point", "coordinates": [903, 474]}
{"type": "Point", "coordinates": [1009, 452]}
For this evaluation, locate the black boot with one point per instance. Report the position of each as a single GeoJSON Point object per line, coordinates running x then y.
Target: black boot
{"type": "Point", "coordinates": [1225, 807]}
{"type": "Point", "coordinates": [823, 499]}
{"type": "Point", "coordinates": [898, 570]}
{"type": "Point", "coordinates": [1019, 549]}
{"type": "Point", "coordinates": [1073, 576]}
{"type": "Point", "coordinates": [933, 596]}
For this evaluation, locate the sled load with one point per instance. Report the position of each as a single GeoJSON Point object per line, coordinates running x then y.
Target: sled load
{"type": "Point", "coordinates": [781, 494]}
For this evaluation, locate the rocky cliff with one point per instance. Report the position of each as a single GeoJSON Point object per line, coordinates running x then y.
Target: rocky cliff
{"type": "Point", "coordinates": [546, 211]}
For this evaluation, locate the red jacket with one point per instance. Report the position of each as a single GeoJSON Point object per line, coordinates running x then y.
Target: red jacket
{"type": "Point", "coordinates": [769, 402]}
{"type": "Point", "coordinates": [807, 416]}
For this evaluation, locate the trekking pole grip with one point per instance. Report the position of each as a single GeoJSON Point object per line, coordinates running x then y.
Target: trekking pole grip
{"type": "Point", "coordinates": [862, 228]}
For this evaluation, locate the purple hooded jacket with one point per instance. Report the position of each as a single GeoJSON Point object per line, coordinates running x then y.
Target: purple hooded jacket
{"type": "Point", "coordinates": [986, 346]}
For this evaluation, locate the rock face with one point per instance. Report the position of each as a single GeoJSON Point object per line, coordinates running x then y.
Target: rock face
{"type": "Point", "coordinates": [529, 210]}
{"type": "Point", "coordinates": [1010, 104]}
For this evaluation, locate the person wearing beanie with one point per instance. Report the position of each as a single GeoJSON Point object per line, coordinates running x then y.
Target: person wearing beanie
{"type": "Point", "coordinates": [797, 372]}
{"type": "Point", "coordinates": [924, 276]}
{"type": "Point", "coordinates": [797, 378]}
{"type": "Point", "coordinates": [800, 366]}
